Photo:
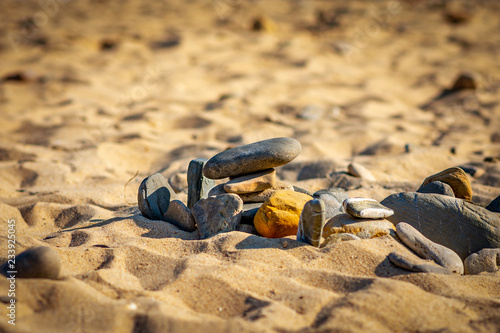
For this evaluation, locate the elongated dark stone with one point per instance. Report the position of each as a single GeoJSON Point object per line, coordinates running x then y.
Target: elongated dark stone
{"type": "Point", "coordinates": [198, 184]}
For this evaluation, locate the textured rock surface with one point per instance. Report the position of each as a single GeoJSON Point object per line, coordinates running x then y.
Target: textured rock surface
{"type": "Point", "coordinates": [311, 222]}
{"type": "Point", "coordinates": [252, 157]}
{"type": "Point", "coordinates": [363, 228]}
{"type": "Point", "coordinates": [250, 183]}
{"type": "Point", "coordinates": [180, 215]}
{"type": "Point", "coordinates": [218, 214]}
{"type": "Point", "coordinates": [437, 187]}
{"type": "Point", "coordinates": [457, 224]}
{"type": "Point", "coordinates": [154, 196]}
{"type": "Point", "coordinates": [486, 260]}
{"type": "Point", "coordinates": [279, 215]}
{"type": "Point", "coordinates": [456, 178]}
{"type": "Point", "coordinates": [333, 199]}
{"type": "Point", "coordinates": [366, 208]}
{"type": "Point", "coordinates": [39, 262]}
{"type": "Point", "coordinates": [198, 184]}
{"type": "Point", "coordinates": [427, 249]}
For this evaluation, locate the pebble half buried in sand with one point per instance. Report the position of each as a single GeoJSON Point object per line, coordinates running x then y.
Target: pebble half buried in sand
{"type": "Point", "coordinates": [366, 208]}
{"type": "Point", "coordinates": [253, 157]}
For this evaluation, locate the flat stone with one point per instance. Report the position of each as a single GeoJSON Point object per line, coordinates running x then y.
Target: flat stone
{"type": "Point", "coordinates": [456, 178]}
{"type": "Point", "coordinates": [437, 187]}
{"type": "Point", "coordinates": [333, 198]}
{"type": "Point", "coordinates": [455, 223]}
{"type": "Point", "coordinates": [494, 206]}
{"type": "Point", "coordinates": [198, 185]}
{"type": "Point", "coordinates": [218, 214]}
{"type": "Point", "coordinates": [254, 182]}
{"type": "Point", "coordinates": [154, 196]}
{"type": "Point", "coordinates": [311, 223]}
{"type": "Point", "coordinates": [264, 195]}
{"type": "Point", "coordinates": [279, 215]}
{"type": "Point", "coordinates": [253, 157]}
{"type": "Point", "coordinates": [337, 238]}
{"type": "Point", "coordinates": [363, 228]}
{"type": "Point", "coordinates": [366, 208]}
{"type": "Point", "coordinates": [249, 211]}
{"type": "Point", "coordinates": [180, 215]}
{"type": "Point", "coordinates": [412, 263]}
{"type": "Point", "coordinates": [39, 262]}
{"type": "Point", "coordinates": [427, 249]}
{"type": "Point", "coordinates": [357, 170]}
{"type": "Point", "coordinates": [486, 260]}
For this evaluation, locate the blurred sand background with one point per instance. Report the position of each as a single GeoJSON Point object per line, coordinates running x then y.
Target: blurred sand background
{"type": "Point", "coordinates": [93, 93]}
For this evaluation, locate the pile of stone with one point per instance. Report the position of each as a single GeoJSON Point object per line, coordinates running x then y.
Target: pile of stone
{"type": "Point", "coordinates": [438, 221]}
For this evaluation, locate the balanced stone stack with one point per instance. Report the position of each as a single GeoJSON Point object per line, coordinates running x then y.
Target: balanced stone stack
{"type": "Point", "coordinates": [252, 175]}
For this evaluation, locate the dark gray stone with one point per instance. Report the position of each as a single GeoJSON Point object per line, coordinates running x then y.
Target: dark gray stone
{"type": "Point", "coordinates": [311, 223]}
{"type": "Point", "coordinates": [494, 206]}
{"type": "Point", "coordinates": [198, 184]}
{"type": "Point", "coordinates": [39, 262]}
{"type": "Point", "coordinates": [180, 215]}
{"type": "Point", "coordinates": [218, 214]}
{"type": "Point", "coordinates": [412, 264]}
{"type": "Point", "coordinates": [249, 211]}
{"type": "Point", "coordinates": [333, 198]}
{"type": "Point", "coordinates": [154, 196]}
{"type": "Point", "coordinates": [455, 223]}
{"type": "Point", "coordinates": [316, 169]}
{"type": "Point", "coordinates": [427, 249]}
{"type": "Point", "coordinates": [252, 157]}
{"type": "Point", "coordinates": [437, 187]}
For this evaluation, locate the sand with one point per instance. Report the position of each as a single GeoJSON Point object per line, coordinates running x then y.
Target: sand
{"type": "Point", "coordinates": [95, 96]}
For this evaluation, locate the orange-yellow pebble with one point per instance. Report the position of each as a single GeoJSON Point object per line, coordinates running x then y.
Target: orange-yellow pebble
{"type": "Point", "coordinates": [279, 215]}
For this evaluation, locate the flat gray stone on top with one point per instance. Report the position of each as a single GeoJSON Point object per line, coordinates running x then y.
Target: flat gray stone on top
{"type": "Point", "coordinates": [252, 157]}
{"type": "Point", "coordinates": [366, 208]}
{"type": "Point", "coordinates": [218, 214]}
{"type": "Point", "coordinates": [455, 223]}
{"type": "Point", "coordinates": [154, 196]}
{"type": "Point", "coordinates": [180, 215]}
{"type": "Point", "coordinates": [311, 223]}
{"type": "Point", "coordinates": [198, 184]}
{"type": "Point", "coordinates": [427, 249]}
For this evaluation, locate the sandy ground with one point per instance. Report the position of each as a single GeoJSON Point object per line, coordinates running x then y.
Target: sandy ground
{"type": "Point", "coordinates": [95, 93]}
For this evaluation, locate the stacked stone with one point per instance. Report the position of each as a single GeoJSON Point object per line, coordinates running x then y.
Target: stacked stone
{"type": "Point", "coordinates": [252, 179]}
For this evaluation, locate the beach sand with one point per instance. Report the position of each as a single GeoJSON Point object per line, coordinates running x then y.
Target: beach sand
{"type": "Point", "coordinates": [97, 95]}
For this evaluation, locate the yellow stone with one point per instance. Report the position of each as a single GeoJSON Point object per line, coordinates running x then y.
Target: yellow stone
{"type": "Point", "coordinates": [456, 178]}
{"type": "Point", "coordinates": [279, 215]}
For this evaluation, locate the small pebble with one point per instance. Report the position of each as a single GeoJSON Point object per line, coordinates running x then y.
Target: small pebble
{"type": "Point", "coordinates": [311, 223]}
{"type": "Point", "coordinates": [39, 262]}
{"type": "Point", "coordinates": [456, 178]}
{"type": "Point", "coordinates": [357, 170]}
{"type": "Point", "coordinates": [427, 249]}
{"type": "Point", "coordinates": [333, 198]}
{"type": "Point", "coordinates": [366, 208]}
{"type": "Point", "coordinates": [218, 214]}
{"type": "Point", "coordinates": [154, 196]}
{"type": "Point", "coordinates": [180, 215]}
{"type": "Point", "coordinates": [486, 260]}
{"type": "Point", "coordinates": [437, 187]}
{"type": "Point", "coordinates": [363, 228]}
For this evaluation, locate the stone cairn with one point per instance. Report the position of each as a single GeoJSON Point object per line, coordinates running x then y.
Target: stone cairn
{"type": "Point", "coordinates": [438, 221]}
